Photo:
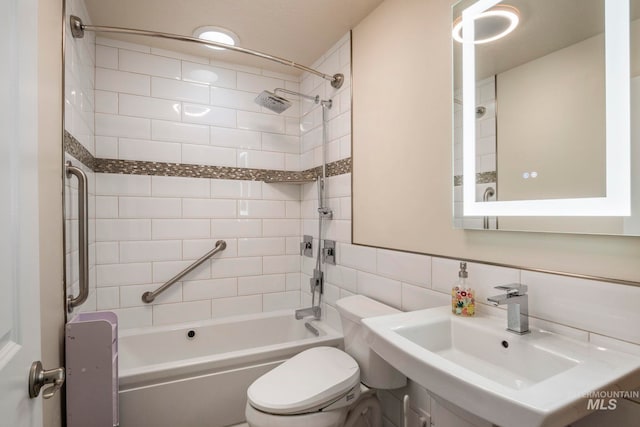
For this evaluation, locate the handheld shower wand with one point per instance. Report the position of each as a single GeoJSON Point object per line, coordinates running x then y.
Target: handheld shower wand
{"type": "Point", "coordinates": [278, 104]}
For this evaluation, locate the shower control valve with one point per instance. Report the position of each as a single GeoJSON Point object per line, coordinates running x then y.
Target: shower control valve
{"type": "Point", "coordinates": [329, 252]}
{"type": "Point", "coordinates": [306, 246]}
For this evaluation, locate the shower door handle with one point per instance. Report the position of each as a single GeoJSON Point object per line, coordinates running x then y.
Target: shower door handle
{"type": "Point", "coordinates": [83, 235]}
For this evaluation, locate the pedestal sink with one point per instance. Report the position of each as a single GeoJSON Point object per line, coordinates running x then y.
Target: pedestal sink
{"type": "Point", "coordinates": [537, 379]}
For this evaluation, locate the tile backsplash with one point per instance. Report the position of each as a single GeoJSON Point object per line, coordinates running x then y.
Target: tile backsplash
{"type": "Point", "coordinates": [576, 307]}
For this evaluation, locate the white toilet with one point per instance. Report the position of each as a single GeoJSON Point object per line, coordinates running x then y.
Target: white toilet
{"type": "Point", "coordinates": [324, 386]}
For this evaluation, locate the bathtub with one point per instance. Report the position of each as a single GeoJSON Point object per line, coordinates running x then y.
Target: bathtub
{"type": "Point", "coordinates": [197, 374]}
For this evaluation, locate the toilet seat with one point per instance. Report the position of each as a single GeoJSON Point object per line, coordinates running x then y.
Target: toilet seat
{"type": "Point", "coordinates": [309, 381]}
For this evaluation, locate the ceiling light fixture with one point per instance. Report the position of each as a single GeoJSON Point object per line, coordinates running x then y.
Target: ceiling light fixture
{"type": "Point", "coordinates": [490, 25]}
{"type": "Point", "coordinates": [218, 35]}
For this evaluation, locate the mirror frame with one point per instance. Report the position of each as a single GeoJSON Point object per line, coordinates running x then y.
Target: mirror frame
{"type": "Point", "coordinates": [617, 201]}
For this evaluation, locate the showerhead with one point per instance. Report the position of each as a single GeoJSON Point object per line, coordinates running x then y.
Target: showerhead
{"type": "Point", "coordinates": [272, 101]}
{"type": "Point", "coordinates": [278, 104]}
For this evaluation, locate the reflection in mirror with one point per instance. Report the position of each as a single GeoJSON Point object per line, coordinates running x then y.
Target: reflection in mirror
{"type": "Point", "coordinates": [541, 115]}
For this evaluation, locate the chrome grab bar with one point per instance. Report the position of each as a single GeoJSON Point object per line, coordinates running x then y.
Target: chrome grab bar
{"type": "Point", "coordinates": [149, 296]}
{"type": "Point", "coordinates": [83, 235]}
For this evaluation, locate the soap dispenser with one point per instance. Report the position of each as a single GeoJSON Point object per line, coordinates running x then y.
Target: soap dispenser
{"type": "Point", "coordinates": [462, 296]}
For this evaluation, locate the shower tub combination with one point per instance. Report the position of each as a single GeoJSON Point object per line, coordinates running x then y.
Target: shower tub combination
{"type": "Point", "coordinates": [197, 374]}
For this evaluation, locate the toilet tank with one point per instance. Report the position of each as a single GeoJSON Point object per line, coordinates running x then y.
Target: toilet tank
{"type": "Point", "coordinates": [375, 372]}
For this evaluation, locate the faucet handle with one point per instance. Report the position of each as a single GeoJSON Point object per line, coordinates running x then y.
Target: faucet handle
{"type": "Point", "coordinates": [513, 288]}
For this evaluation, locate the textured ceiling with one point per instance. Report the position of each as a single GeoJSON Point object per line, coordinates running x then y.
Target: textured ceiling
{"type": "Point", "coordinates": [298, 30]}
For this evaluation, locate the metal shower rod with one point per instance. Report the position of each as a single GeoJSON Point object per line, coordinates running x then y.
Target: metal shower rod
{"type": "Point", "coordinates": [78, 28]}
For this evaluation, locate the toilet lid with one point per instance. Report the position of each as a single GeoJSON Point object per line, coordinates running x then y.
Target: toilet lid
{"type": "Point", "coordinates": [306, 381]}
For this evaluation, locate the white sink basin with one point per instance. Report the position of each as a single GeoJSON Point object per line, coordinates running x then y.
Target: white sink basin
{"type": "Point", "coordinates": [538, 379]}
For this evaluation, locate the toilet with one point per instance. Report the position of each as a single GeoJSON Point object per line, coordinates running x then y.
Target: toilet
{"type": "Point", "coordinates": [325, 386]}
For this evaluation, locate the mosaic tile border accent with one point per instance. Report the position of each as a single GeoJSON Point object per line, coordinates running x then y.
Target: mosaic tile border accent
{"type": "Point", "coordinates": [138, 167]}
{"type": "Point", "coordinates": [135, 167]}
{"type": "Point", "coordinates": [481, 178]}
{"type": "Point", "coordinates": [72, 146]}
{"type": "Point", "coordinates": [339, 167]}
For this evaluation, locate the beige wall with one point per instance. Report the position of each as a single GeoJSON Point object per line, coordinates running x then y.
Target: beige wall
{"type": "Point", "coordinates": [402, 117]}
{"type": "Point", "coordinates": [552, 121]}
{"type": "Point", "coordinates": [554, 104]}
{"type": "Point", "coordinates": [50, 188]}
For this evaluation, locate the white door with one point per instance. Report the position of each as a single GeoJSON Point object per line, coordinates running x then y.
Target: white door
{"type": "Point", "coordinates": [19, 277]}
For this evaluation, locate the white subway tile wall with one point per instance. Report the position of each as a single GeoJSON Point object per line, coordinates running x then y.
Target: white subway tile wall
{"type": "Point", "coordinates": [80, 105]}
{"type": "Point", "coordinates": [150, 228]}
{"type": "Point", "coordinates": [157, 105]}
{"type": "Point", "coordinates": [80, 57]}
{"type": "Point", "coordinates": [336, 60]}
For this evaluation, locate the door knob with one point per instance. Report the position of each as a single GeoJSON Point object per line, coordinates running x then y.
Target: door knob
{"type": "Point", "coordinates": [39, 377]}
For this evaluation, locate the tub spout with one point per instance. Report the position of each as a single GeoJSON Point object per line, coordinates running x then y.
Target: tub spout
{"type": "Point", "coordinates": [314, 311]}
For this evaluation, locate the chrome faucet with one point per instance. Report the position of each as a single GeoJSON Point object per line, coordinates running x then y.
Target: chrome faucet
{"type": "Point", "coordinates": [517, 302]}
{"type": "Point", "coordinates": [314, 311]}
{"type": "Point", "coordinates": [316, 283]}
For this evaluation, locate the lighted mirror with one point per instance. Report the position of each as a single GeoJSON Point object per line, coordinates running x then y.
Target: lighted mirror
{"type": "Point", "coordinates": [544, 95]}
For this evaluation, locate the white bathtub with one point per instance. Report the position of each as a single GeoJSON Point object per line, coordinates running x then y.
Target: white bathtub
{"type": "Point", "coordinates": [169, 379]}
